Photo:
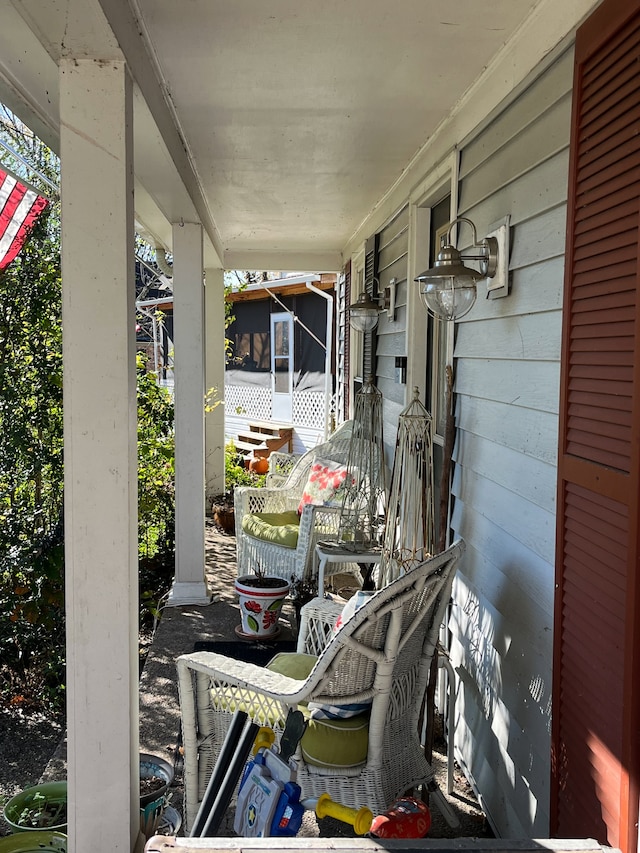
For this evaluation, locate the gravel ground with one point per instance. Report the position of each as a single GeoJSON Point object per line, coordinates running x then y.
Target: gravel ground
{"type": "Point", "coordinates": [27, 742]}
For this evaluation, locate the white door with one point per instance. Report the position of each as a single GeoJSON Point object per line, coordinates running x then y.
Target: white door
{"type": "Point", "coordinates": [282, 367]}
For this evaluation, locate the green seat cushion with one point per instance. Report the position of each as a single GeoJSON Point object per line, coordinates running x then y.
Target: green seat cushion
{"type": "Point", "coordinates": [292, 664]}
{"type": "Point", "coordinates": [336, 743]}
{"type": "Point", "coordinates": [326, 742]}
{"type": "Point", "coordinates": [281, 528]}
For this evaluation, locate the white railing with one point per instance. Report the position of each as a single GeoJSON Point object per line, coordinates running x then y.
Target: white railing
{"type": "Point", "coordinates": [251, 401]}
{"type": "Point", "coordinates": [309, 409]}
{"type": "Point", "coordinates": [248, 401]}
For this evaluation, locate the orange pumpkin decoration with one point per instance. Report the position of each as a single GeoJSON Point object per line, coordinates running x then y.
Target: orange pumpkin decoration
{"type": "Point", "coordinates": [259, 465]}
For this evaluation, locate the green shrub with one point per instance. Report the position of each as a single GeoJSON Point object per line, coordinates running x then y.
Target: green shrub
{"type": "Point", "coordinates": [235, 472]}
{"type": "Point", "coordinates": [31, 466]}
{"type": "Point", "coordinates": [156, 493]}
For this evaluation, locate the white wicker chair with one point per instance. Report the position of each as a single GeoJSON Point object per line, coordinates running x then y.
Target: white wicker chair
{"type": "Point", "coordinates": [280, 466]}
{"type": "Point", "coordinates": [383, 653]}
{"type": "Point", "coordinates": [316, 522]}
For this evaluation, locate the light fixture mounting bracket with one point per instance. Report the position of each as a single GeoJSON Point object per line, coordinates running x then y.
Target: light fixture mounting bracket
{"type": "Point", "coordinates": [498, 284]}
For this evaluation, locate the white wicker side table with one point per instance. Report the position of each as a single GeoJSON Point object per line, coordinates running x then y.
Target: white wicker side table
{"type": "Point", "coordinates": [331, 554]}
{"type": "Point", "coordinates": [317, 619]}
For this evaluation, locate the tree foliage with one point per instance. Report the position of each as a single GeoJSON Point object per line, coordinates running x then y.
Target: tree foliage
{"type": "Point", "coordinates": [32, 637]}
{"type": "Point", "coordinates": [31, 464]}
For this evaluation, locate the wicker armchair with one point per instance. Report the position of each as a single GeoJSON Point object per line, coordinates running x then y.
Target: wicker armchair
{"type": "Point", "coordinates": [381, 654]}
{"type": "Point", "coordinates": [281, 465]}
{"type": "Point", "coordinates": [315, 522]}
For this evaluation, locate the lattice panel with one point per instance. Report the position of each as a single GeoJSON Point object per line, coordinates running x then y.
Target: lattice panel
{"type": "Point", "coordinates": [250, 400]}
{"type": "Point", "coordinates": [308, 409]}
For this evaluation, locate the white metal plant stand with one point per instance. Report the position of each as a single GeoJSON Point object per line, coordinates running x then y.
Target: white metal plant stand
{"type": "Point", "coordinates": [363, 508]}
{"type": "Point", "coordinates": [409, 531]}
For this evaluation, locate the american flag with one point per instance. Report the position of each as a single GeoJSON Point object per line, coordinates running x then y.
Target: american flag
{"type": "Point", "coordinates": [20, 206]}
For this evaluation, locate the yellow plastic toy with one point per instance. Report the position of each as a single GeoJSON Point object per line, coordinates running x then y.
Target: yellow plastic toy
{"type": "Point", "coordinates": [360, 819]}
{"type": "Point", "coordinates": [264, 739]}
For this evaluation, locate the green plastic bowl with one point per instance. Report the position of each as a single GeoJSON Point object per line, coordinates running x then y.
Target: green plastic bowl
{"type": "Point", "coordinates": [52, 792]}
{"type": "Point", "coordinates": [34, 842]}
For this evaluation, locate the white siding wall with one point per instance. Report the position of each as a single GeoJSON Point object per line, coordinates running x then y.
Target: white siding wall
{"type": "Point", "coordinates": [391, 335]}
{"type": "Point", "coordinates": [507, 383]}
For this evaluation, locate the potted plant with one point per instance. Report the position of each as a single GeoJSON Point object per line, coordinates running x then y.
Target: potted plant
{"type": "Point", "coordinates": [261, 599]}
{"type": "Point", "coordinates": [302, 590]}
{"type": "Point", "coordinates": [44, 807]}
{"type": "Point", "coordinates": [39, 807]}
{"type": "Point", "coordinates": [156, 775]}
{"type": "Point", "coordinates": [235, 474]}
{"type": "Point", "coordinates": [42, 841]}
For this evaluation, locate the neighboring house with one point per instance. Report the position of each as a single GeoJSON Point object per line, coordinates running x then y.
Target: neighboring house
{"type": "Point", "coordinates": [154, 326]}
{"type": "Point", "coordinates": [278, 367]}
{"type": "Point", "coordinates": [544, 625]}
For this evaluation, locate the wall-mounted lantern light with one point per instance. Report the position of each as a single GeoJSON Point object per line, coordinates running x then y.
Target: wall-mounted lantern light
{"type": "Point", "coordinates": [365, 311]}
{"type": "Point", "coordinates": [448, 288]}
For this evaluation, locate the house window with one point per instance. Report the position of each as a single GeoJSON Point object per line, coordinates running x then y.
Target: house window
{"type": "Point", "coordinates": [252, 349]}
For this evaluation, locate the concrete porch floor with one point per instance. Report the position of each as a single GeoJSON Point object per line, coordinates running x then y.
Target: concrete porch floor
{"type": "Point", "coordinates": [179, 629]}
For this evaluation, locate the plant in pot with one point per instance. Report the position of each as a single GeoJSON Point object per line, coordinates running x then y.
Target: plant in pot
{"type": "Point", "coordinates": [40, 841]}
{"type": "Point", "coordinates": [44, 806]}
{"type": "Point", "coordinates": [235, 474]}
{"type": "Point", "coordinates": [156, 776]}
{"type": "Point", "coordinates": [261, 599]}
{"type": "Point", "coordinates": [301, 591]}
{"type": "Point", "coordinates": [40, 807]}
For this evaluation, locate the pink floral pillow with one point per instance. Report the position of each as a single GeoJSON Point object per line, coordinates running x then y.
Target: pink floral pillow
{"type": "Point", "coordinates": [324, 484]}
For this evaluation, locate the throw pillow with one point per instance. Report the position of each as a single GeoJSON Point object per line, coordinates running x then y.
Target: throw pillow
{"type": "Point", "coordinates": [325, 484]}
{"type": "Point", "coordinates": [355, 603]}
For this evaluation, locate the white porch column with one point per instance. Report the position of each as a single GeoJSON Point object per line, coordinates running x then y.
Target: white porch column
{"type": "Point", "coordinates": [214, 420]}
{"type": "Point", "coordinates": [100, 471]}
{"type": "Point", "coordinates": [189, 586]}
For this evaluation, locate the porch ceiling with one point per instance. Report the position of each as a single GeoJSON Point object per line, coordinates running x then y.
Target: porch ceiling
{"type": "Point", "coordinates": [297, 116]}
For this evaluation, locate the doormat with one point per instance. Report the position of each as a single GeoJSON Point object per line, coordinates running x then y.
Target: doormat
{"type": "Point", "coordinates": [258, 652]}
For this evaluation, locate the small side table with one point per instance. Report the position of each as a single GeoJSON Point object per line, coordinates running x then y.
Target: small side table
{"type": "Point", "coordinates": [329, 554]}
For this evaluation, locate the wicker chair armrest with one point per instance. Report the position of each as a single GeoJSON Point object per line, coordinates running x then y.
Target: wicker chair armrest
{"type": "Point", "coordinates": [250, 499]}
{"type": "Point", "coordinates": [316, 523]}
{"type": "Point", "coordinates": [224, 670]}
{"type": "Point", "coordinates": [318, 518]}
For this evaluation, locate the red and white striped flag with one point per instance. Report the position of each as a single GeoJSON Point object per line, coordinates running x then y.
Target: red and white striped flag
{"type": "Point", "coordinates": [20, 206]}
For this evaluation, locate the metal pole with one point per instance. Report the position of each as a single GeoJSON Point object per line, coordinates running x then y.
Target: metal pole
{"type": "Point", "coordinates": [221, 803]}
{"type": "Point", "coordinates": [225, 756]}
{"type": "Point", "coordinates": [328, 383]}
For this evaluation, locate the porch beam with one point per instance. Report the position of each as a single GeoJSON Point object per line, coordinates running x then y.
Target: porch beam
{"type": "Point", "coordinates": [189, 586]}
{"type": "Point", "coordinates": [100, 473]}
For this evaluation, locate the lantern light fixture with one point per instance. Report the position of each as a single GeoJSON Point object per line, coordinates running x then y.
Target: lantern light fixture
{"type": "Point", "coordinates": [448, 289]}
{"type": "Point", "coordinates": [365, 311]}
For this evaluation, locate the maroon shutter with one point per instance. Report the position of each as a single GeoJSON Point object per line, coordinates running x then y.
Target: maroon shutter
{"type": "Point", "coordinates": [371, 286]}
{"type": "Point", "coordinates": [347, 340]}
{"type": "Point", "coordinates": [595, 740]}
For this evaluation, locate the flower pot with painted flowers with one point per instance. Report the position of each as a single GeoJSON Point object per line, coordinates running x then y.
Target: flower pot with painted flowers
{"type": "Point", "coordinates": [261, 599]}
